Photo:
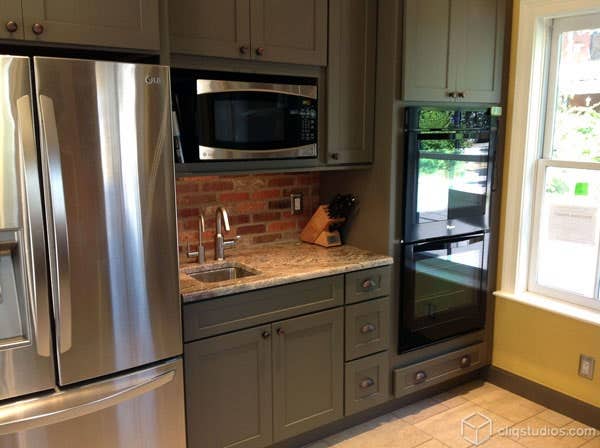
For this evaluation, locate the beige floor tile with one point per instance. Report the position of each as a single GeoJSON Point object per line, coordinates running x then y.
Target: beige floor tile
{"type": "Point", "coordinates": [501, 442]}
{"type": "Point", "coordinates": [446, 426]}
{"type": "Point", "coordinates": [450, 399]}
{"type": "Point", "coordinates": [554, 418]}
{"type": "Point", "coordinates": [512, 407]}
{"type": "Point", "coordinates": [388, 420]}
{"type": "Point", "coordinates": [433, 443]}
{"type": "Point", "coordinates": [536, 433]}
{"type": "Point", "coordinates": [581, 435]}
{"type": "Point", "coordinates": [386, 436]}
{"type": "Point", "coordinates": [594, 443]}
{"type": "Point", "coordinates": [421, 410]}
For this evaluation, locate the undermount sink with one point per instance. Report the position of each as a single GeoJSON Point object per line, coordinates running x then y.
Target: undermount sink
{"type": "Point", "coordinates": [222, 273]}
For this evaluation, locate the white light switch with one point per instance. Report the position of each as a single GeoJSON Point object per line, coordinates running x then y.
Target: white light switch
{"type": "Point", "coordinates": [586, 367]}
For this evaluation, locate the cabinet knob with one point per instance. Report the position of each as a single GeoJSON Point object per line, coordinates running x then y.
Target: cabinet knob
{"type": "Point", "coordinates": [11, 26]}
{"type": "Point", "coordinates": [280, 331]}
{"type": "Point", "coordinates": [37, 28]}
{"type": "Point", "coordinates": [366, 383]}
{"type": "Point", "coordinates": [369, 284]}
{"type": "Point", "coordinates": [243, 49]}
{"type": "Point", "coordinates": [334, 155]}
{"type": "Point", "coordinates": [260, 51]}
{"type": "Point", "coordinates": [452, 94]}
{"type": "Point", "coordinates": [420, 376]}
{"type": "Point", "coordinates": [367, 328]}
{"type": "Point", "coordinates": [461, 94]}
{"type": "Point", "coordinates": [266, 334]}
{"type": "Point", "coordinates": [465, 361]}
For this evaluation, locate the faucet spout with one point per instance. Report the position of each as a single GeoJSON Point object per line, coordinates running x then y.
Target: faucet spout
{"type": "Point", "coordinates": [220, 242]}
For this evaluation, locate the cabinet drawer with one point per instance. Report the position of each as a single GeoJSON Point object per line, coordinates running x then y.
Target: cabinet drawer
{"type": "Point", "coordinates": [224, 314]}
{"type": "Point", "coordinates": [367, 328]}
{"type": "Point", "coordinates": [368, 284]}
{"type": "Point", "coordinates": [367, 382]}
{"type": "Point", "coordinates": [437, 370]}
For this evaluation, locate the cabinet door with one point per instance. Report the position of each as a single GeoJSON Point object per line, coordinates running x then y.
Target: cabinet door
{"type": "Point", "coordinates": [107, 23]}
{"type": "Point", "coordinates": [351, 81]}
{"type": "Point", "coordinates": [289, 31]}
{"type": "Point", "coordinates": [307, 372]}
{"type": "Point", "coordinates": [228, 390]}
{"type": "Point", "coordinates": [210, 28]}
{"type": "Point", "coordinates": [427, 72]}
{"type": "Point", "coordinates": [11, 17]}
{"type": "Point", "coordinates": [478, 28]}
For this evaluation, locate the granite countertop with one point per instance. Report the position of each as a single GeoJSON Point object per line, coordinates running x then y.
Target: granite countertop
{"type": "Point", "coordinates": [277, 264]}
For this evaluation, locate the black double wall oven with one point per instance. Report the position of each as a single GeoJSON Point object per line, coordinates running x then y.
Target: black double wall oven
{"type": "Point", "coordinates": [449, 168]}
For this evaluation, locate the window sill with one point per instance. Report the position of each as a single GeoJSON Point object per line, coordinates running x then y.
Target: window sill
{"type": "Point", "coordinates": [556, 306]}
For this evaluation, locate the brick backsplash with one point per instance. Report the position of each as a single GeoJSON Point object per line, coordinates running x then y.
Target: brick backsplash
{"type": "Point", "coordinates": [258, 207]}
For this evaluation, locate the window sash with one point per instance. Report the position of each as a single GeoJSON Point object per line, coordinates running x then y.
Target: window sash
{"type": "Point", "coordinates": [533, 285]}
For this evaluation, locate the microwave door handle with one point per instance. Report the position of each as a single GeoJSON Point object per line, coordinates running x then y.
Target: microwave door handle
{"type": "Point", "coordinates": [57, 219]}
{"type": "Point", "coordinates": [33, 234]}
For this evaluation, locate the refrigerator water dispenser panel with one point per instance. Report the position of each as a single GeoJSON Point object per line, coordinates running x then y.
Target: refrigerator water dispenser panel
{"type": "Point", "coordinates": [12, 315]}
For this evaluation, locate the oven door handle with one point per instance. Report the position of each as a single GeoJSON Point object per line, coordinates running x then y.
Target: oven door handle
{"type": "Point", "coordinates": [444, 244]}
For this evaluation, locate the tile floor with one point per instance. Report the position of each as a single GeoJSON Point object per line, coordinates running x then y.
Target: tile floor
{"type": "Point", "coordinates": [436, 423]}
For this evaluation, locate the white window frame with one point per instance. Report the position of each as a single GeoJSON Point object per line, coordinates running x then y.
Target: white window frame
{"type": "Point", "coordinates": [556, 28]}
{"type": "Point", "coordinates": [525, 138]}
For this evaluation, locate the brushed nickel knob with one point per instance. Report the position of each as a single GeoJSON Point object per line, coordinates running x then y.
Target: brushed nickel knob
{"type": "Point", "coordinates": [367, 328]}
{"type": "Point", "coordinates": [334, 155]}
{"type": "Point", "coordinates": [420, 376]}
{"type": "Point", "coordinates": [280, 331]}
{"type": "Point", "coordinates": [11, 26]}
{"type": "Point", "coordinates": [465, 361]}
{"type": "Point", "coordinates": [37, 28]}
{"type": "Point", "coordinates": [260, 51]}
{"type": "Point", "coordinates": [243, 49]}
{"type": "Point", "coordinates": [368, 382]}
{"type": "Point", "coordinates": [266, 334]}
{"type": "Point", "coordinates": [369, 283]}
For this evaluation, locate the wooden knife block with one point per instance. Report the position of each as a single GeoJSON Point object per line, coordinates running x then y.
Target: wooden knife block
{"type": "Point", "coordinates": [317, 229]}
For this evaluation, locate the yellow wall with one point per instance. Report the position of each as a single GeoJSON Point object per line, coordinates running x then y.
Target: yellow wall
{"type": "Point", "coordinates": [545, 348]}
{"type": "Point", "coordinates": [536, 344]}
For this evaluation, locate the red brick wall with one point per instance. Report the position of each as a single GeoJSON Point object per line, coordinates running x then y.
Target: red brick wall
{"type": "Point", "coordinates": [258, 207]}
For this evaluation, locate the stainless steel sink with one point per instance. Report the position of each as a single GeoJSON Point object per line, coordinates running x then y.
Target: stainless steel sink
{"type": "Point", "coordinates": [222, 273]}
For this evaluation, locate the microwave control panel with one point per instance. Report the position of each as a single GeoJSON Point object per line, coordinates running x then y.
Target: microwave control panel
{"type": "Point", "coordinates": [308, 122]}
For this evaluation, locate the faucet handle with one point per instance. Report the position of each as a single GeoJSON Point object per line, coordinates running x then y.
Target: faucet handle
{"type": "Point", "coordinates": [229, 243]}
{"type": "Point", "coordinates": [192, 254]}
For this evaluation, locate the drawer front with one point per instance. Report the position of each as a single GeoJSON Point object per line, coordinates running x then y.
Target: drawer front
{"type": "Point", "coordinates": [367, 382]}
{"type": "Point", "coordinates": [224, 314]}
{"type": "Point", "coordinates": [437, 370]}
{"type": "Point", "coordinates": [368, 284]}
{"type": "Point", "coordinates": [367, 328]}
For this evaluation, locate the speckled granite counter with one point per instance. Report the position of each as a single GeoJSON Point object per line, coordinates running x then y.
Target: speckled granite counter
{"type": "Point", "coordinates": [277, 265]}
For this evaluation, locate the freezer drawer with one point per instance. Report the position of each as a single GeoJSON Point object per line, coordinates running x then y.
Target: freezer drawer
{"type": "Point", "coordinates": [143, 409]}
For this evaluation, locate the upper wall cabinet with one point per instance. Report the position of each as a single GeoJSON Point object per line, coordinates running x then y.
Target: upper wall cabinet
{"type": "Point", "coordinates": [351, 81]}
{"type": "Point", "coordinates": [105, 23]}
{"type": "Point", "coordinates": [453, 50]}
{"type": "Point", "coordinates": [264, 30]}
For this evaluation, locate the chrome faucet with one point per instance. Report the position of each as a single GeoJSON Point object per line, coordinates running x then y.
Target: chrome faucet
{"type": "Point", "coordinates": [220, 242]}
{"type": "Point", "coordinates": [200, 253]}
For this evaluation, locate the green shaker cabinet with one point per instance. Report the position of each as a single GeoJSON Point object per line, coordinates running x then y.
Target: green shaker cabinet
{"type": "Point", "coordinates": [105, 23]}
{"type": "Point", "coordinates": [286, 31]}
{"type": "Point", "coordinates": [307, 373]}
{"type": "Point", "coordinates": [228, 390]}
{"type": "Point", "coordinates": [351, 81]}
{"type": "Point", "coordinates": [210, 28]}
{"type": "Point", "coordinates": [11, 20]}
{"type": "Point", "coordinates": [453, 50]}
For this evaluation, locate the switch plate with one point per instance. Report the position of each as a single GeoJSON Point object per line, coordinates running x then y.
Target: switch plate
{"type": "Point", "coordinates": [296, 200]}
{"type": "Point", "coordinates": [586, 367]}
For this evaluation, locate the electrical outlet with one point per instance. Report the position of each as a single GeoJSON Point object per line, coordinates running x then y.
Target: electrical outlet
{"type": "Point", "coordinates": [586, 367]}
{"type": "Point", "coordinates": [296, 200]}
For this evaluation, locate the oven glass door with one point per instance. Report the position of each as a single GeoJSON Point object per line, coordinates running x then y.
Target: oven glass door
{"type": "Point", "coordinates": [444, 289]}
{"type": "Point", "coordinates": [452, 175]}
{"type": "Point", "coordinates": [255, 122]}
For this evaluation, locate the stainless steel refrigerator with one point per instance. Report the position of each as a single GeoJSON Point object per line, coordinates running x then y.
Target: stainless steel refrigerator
{"type": "Point", "coordinates": [90, 328]}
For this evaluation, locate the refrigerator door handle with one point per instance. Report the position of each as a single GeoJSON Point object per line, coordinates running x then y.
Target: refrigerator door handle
{"type": "Point", "coordinates": [57, 228]}
{"type": "Point", "coordinates": [62, 406]}
{"type": "Point", "coordinates": [33, 235]}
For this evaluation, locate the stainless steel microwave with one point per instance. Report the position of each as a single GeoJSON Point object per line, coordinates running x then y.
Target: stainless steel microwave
{"type": "Point", "coordinates": [249, 119]}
